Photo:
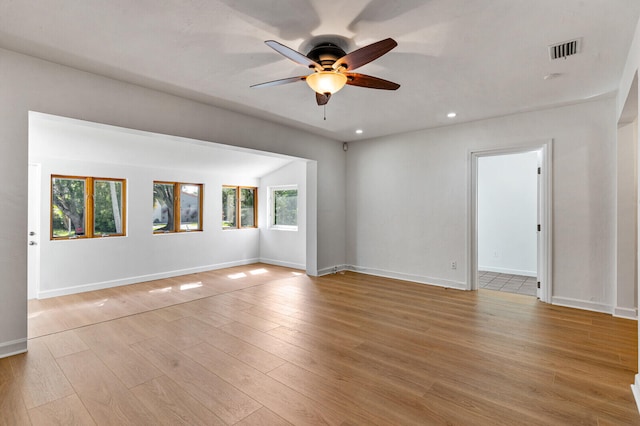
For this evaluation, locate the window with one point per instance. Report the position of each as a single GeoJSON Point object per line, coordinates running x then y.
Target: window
{"type": "Point", "coordinates": [107, 207]}
{"type": "Point", "coordinates": [190, 207]}
{"type": "Point", "coordinates": [170, 197]}
{"type": "Point", "coordinates": [87, 207]}
{"type": "Point", "coordinates": [229, 215]}
{"type": "Point", "coordinates": [284, 207]}
{"type": "Point", "coordinates": [247, 207]}
{"type": "Point", "coordinates": [239, 207]}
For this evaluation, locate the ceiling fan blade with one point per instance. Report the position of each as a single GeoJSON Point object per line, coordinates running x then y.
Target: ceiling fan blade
{"type": "Point", "coordinates": [362, 80]}
{"type": "Point", "coordinates": [296, 57]}
{"type": "Point", "coordinates": [365, 54]}
{"type": "Point", "coordinates": [322, 99]}
{"type": "Point", "coordinates": [281, 81]}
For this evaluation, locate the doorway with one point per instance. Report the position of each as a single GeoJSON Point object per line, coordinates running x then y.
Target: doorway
{"type": "Point", "coordinates": [507, 219]}
{"type": "Point", "coordinates": [502, 251]}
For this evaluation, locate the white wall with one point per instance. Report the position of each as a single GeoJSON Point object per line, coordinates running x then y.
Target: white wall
{"type": "Point", "coordinates": [30, 84]}
{"type": "Point", "coordinates": [627, 268]}
{"type": "Point", "coordinates": [277, 246]}
{"type": "Point", "coordinates": [407, 199]}
{"type": "Point", "coordinates": [507, 213]}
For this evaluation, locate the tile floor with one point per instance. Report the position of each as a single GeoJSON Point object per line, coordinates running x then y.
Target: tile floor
{"type": "Point", "coordinates": [507, 282]}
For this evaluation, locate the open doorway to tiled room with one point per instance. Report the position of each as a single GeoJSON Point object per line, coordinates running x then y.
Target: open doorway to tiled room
{"type": "Point", "coordinates": [509, 283]}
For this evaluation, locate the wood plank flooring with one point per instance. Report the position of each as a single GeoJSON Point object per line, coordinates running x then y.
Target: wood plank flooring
{"type": "Point", "coordinates": [265, 345]}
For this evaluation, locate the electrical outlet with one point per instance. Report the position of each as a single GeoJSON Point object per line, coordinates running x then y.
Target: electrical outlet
{"type": "Point", "coordinates": [454, 265]}
{"type": "Point", "coordinates": [495, 254]}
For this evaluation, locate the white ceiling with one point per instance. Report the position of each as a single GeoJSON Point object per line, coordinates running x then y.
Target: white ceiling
{"type": "Point", "coordinates": [479, 58]}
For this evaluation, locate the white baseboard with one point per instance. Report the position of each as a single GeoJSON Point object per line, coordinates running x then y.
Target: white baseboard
{"type": "Point", "coordinates": [13, 347]}
{"type": "Point", "coordinates": [139, 279]}
{"type": "Point", "coordinates": [508, 271]}
{"type": "Point", "coordinates": [629, 313]}
{"type": "Point", "coordinates": [635, 388]}
{"type": "Point", "coordinates": [332, 269]}
{"type": "Point", "coordinates": [420, 279]}
{"type": "Point", "coordinates": [291, 265]}
{"type": "Point", "coordinates": [582, 304]}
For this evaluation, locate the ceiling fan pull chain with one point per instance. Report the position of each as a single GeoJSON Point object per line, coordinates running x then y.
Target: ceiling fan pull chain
{"type": "Point", "coordinates": [325, 111]}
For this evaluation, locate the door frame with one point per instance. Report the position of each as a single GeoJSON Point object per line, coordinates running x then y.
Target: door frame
{"type": "Point", "coordinates": [545, 207]}
{"type": "Point", "coordinates": [33, 238]}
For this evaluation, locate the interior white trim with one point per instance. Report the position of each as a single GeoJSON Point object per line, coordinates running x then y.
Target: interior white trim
{"type": "Point", "coordinates": [33, 223]}
{"type": "Point", "coordinates": [333, 269]}
{"type": "Point", "coordinates": [582, 304]}
{"type": "Point", "coordinates": [546, 148]}
{"type": "Point", "coordinates": [139, 279]}
{"type": "Point", "coordinates": [311, 257]}
{"type": "Point", "coordinates": [627, 313]}
{"type": "Point", "coordinates": [13, 347]}
{"type": "Point", "coordinates": [420, 279]}
{"type": "Point", "coordinates": [635, 388]}
{"type": "Point", "coordinates": [281, 263]}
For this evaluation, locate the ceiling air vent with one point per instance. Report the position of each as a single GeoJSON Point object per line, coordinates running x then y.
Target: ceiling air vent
{"type": "Point", "coordinates": [564, 49]}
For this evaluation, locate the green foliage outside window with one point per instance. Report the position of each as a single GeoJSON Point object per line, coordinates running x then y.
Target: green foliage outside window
{"type": "Point", "coordinates": [177, 207]}
{"type": "Point", "coordinates": [163, 207]}
{"type": "Point", "coordinates": [107, 199]}
{"type": "Point", "coordinates": [190, 207]}
{"type": "Point", "coordinates": [229, 198]}
{"type": "Point", "coordinates": [68, 207]}
{"type": "Point", "coordinates": [239, 206]}
{"type": "Point", "coordinates": [285, 207]}
{"type": "Point", "coordinates": [87, 207]}
{"type": "Point", "coordinates": [247, 213]}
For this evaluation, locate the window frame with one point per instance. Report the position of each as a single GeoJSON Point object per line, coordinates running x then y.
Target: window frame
{"type": "Point", "coordinates": [89, 207]}
{"type": "Point", "coordinates": [238, 189]}
{"type": "Point", "coordinates": [177, 220]}
{"type": "Point", "coordinates": [272, 205]}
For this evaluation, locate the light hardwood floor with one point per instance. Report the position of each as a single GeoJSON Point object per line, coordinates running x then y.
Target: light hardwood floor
{"type": "Point", "coordinates": [264, 345]}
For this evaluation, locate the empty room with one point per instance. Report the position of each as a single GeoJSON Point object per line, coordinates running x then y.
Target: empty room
{"type": "Point", "coordinates": [239, 212]}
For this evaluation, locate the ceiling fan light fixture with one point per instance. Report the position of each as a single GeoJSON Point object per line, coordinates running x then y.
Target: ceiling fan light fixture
{"type": "Point", "coordinates": [324, 82]}
{"type": "Point", "coordinates": [330, 64]}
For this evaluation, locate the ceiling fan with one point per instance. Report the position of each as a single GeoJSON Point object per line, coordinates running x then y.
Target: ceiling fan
{"type": "Point", "coordinates": [332, 67]}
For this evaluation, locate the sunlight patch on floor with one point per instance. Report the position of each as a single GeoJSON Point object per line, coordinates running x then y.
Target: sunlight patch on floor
{"type": "Point", "coordinates": [184, 287]}
{"type": "Point", "coordinates": [161, 290]}
{"type": "Point", "coordinates": [237, 276]}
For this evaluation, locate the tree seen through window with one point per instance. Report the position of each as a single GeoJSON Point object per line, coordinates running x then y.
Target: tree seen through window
{"type": "Point", "coordinates": [87, 207]}
{"type": "Point", "coordinates": [285, 207]}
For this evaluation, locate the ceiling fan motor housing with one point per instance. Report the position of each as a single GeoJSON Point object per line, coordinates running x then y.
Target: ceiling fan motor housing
{"type": "Point", "coordinates": [326, 54]}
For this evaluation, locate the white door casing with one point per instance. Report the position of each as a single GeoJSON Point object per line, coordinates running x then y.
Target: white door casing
{"type": "Point", "coordinates": [33, 237]}
{"type": "Point", "coordinates": [544, 207]}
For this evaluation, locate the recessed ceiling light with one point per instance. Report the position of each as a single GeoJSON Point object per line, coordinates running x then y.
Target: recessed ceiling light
{"type": "Point", "coordinates": [359, 131]}
{"type": "Point", "coordinates": [451, 115]}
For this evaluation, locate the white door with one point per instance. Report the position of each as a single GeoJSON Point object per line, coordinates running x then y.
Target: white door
{"type": "Point", "coordinates": [33, 237]}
